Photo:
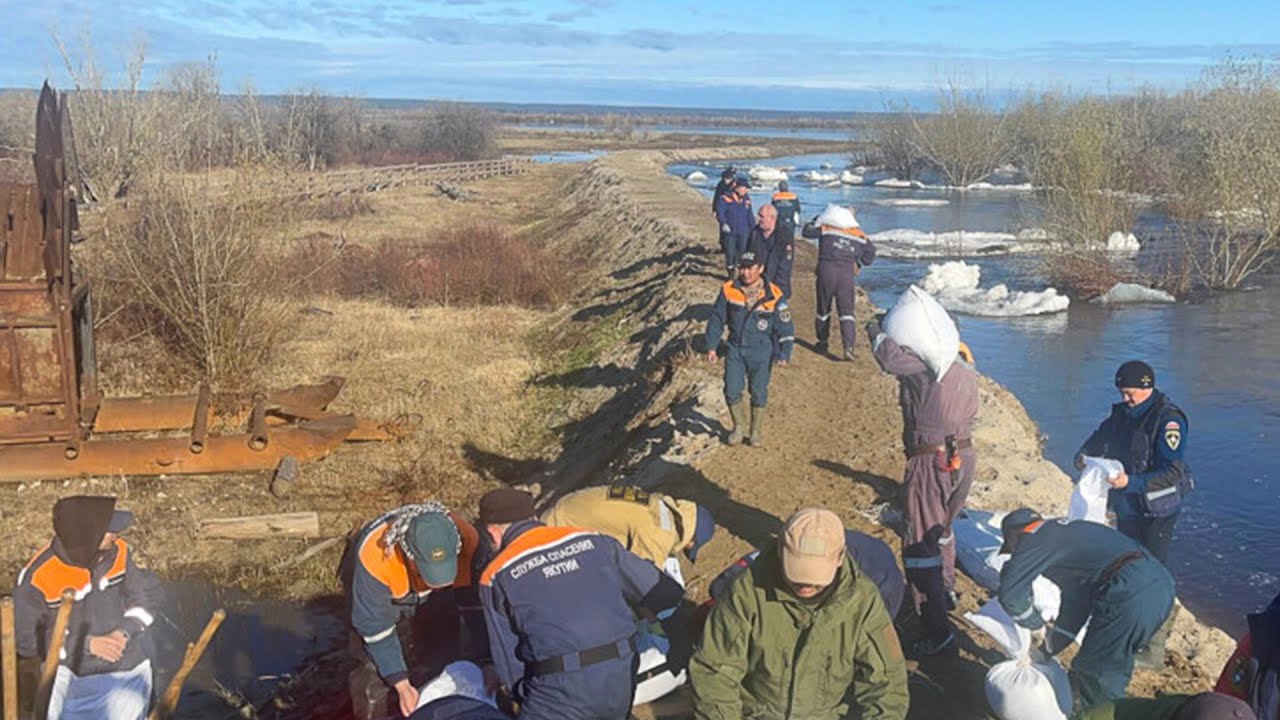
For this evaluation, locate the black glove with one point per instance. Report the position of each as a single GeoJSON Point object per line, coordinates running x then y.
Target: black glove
{"type": "Point", "coordinates": [679, 631]}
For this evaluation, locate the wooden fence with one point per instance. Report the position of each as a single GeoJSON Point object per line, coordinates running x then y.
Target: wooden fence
{"type": "Point", "coordinates": [367, 180]}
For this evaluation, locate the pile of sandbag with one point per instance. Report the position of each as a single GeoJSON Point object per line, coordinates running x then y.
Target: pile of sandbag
{"type": "Point", "coordinates": [1020, 688]}
{"type": "Point", "coordinates": [918, 322]}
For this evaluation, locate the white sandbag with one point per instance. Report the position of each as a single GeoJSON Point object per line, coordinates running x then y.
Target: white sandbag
{"type": "Point", "coordinates": [837, 216]}
{"type": "Point", "coordinates": [1089, 499]}
{"type": "Point", "coordinates": [110, 696]}
{"type": "Point", "coordinates": [1020, 689]}
{"type": "Point", "coordinates": [918, 322]}
{"type": "Point", "coordinates": [1023, 690]}
{"type": "Point", "coordinates": [653, 653]}
{"type": "Point", "coordinates": [458, 678]}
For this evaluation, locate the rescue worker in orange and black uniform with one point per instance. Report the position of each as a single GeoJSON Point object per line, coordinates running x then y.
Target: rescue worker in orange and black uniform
{"type": "Point", "coordinates": [756, 317]}
{"type": "Point", "coordinates": [788, 207]}
{"type": "Point", "coordinates": [410, 578]}
{"type": "Point", "coordinates": [106, 654]}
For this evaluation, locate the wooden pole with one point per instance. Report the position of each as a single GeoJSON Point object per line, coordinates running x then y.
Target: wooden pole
{"type": "Point", "coordinates": [169, 702]}
{"type": "Point", "coordinates": [53, 656]}
{"type": "Point", "coordinates": [9, 658]}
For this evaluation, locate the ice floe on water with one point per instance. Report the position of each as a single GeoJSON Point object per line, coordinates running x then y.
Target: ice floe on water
{"type": "Point", "coordinates": [1132, 293]}
{"type": "Point", "coordinates": [1119, 243]}
{"type": "Point", "coordinates": [908, 243]}
{"type": "Point", "coordinates": [766, 174]}
{"type": "Point", "coordinates": [903, 184]}
{"type": "Point", "coordinates": [696, 178]}
{"type": "Point", "coordinates": [850, 178]}
{"type": "Point", "coordinates": [911, 202]}
{"type": "Point", "coordinates": [1003, 187]}
{"type": "Point", "coordinates": [956, 285]}
{"type": "Point", "coordinates": [816, 177]}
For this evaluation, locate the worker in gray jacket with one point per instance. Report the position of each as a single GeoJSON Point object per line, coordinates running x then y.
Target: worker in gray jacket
{"type": "Point", "coordinates": [937, 427]}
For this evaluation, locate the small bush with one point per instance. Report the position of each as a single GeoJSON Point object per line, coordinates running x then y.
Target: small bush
{"type": "Point", "coordinates": [457, 132]}
{"type": "Point", "coordinates": [1084, 273]}
{"type": "Point", "coordinates": [189, 267]}
{"type": "Point", "coordinates": [480, 264]}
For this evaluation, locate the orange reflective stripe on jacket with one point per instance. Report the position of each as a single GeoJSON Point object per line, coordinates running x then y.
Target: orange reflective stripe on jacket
{"type": "Point", "coordinates": [392, 568]}
{"type": "Point", "coordinates": [531, 541]}
{"type": "Point", "coordinates": [856, 232]}
{"type": "Point", "coordinates": [784, 196]}
{"type": "Point", "coordinates": [53, 575]}
{"type": "Point", "coordinates": [736, 296]}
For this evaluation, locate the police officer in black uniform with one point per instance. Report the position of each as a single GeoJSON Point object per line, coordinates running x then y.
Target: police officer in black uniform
{"type": "Point", "coordinates": [1148, 434]}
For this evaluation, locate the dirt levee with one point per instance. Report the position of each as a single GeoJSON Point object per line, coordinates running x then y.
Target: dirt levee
{"type": "Point", "coordinates": [833, 432]}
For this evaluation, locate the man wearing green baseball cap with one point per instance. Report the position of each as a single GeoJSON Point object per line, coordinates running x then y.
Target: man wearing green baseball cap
{"type": "Point", "coordinates": [404, 570]}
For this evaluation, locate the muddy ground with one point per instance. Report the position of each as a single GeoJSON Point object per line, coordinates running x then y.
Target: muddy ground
{"type": "Point", "coordinates": [605, 388]}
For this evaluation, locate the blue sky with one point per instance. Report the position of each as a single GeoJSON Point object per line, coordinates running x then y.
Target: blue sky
{"type": "Point", "coordinates": [846, 55]}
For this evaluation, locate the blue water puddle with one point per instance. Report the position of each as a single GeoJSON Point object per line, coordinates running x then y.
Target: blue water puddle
{"type": "Point", "coordinates": [569, 156]}
{"type": "Point", "coordinates": [1217, 358]}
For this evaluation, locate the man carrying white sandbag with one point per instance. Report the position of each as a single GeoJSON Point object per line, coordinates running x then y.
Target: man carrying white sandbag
{"type": "Point", "coordinates": [939, 406]}
{"type": "Point", "coordinates": [1106, 579]}
{"type": "Point", "coordinates": [843, 250]}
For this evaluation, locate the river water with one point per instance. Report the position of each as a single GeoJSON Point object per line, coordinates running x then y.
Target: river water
{"type": "Point", "coordinates": [1217, 358]}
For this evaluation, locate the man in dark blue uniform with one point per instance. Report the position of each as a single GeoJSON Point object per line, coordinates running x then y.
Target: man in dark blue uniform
{"type": "Point", "coordinates": [1148, 434]}
{"type": "Point", "coordinates": [1103, 575]}
{"type": "Point", "coordinates": [558, 602]}
{"type": "Point", "coordinates": [724, 187]}
{"type": "Point", "coordinates": [757, 318]}
{"type": "Point", "coordinates": [779, 244]}
{"type": "Point", "coordinates": [736, 219]}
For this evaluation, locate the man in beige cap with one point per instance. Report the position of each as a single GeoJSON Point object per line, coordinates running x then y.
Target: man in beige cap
{"type": "Point", "coordinates": [801, 634]}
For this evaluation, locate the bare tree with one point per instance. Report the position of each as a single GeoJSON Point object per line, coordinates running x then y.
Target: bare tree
{"type": "Point", "coordinates": [965, 139]}
{"type": "Point", "coordinates": [1230, 201]}
{"type": "Point", "coordinates": [897, 147]}
{"type": "Point", "coordinates": [458, 132]}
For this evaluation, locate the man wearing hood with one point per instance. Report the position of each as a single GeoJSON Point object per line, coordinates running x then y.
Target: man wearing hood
{"type": "Point", "coordinates": [105, 668]}
{"type": "Point", "coordinates": [654, 526]}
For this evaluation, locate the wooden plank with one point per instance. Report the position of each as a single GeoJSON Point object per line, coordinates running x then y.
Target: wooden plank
{"type": "Point", "coordinates": [248, 527]}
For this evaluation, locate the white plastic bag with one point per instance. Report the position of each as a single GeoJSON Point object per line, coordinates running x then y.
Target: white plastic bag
{"type": "Point", "coordinates": [1019, 689]}
{"type": "Point", "coordinates": [1046, 596]}
{"type": "Point", "coordinates": [1089, 499]}
{"type": "Point", "coordinates": [918, 322]}
{"type": "Point", "coordinates": [458, 678]}
{"type": "Point", "coordinates": [119, 695]}
{"type": "Point", "coordinates": [653, 653]}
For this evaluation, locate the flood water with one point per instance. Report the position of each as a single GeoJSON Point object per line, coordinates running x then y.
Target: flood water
{"type": "Point", "coordinates": [259, 645]}
{"type": "Point", "coordinates": [1217, 358]}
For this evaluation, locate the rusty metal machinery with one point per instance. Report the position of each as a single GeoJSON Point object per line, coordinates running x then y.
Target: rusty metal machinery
{"type": "Point", "coordinates": [54, 422]}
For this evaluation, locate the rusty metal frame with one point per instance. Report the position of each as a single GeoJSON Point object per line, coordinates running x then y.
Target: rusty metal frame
{"type": "Point", "coordinates": [54, 421]}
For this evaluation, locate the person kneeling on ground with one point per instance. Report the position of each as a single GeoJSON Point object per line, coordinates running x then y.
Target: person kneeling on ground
{"type": "Point", "coordinates": [409, 579]}
{"type": "Point", "coordinates": [558, 602]}
{"type": "Point", "coordinates": [801, 634]}
{"type": "Point", "coordinates": [1205, 706]}
{"type": "Point", "coordinates": [871, 555]}
{"type": "Point", "coordinates": [756, 317]}
{"type": "Point", "coordinates": [1106, 579]}
{"type": "Point", "coordinates": [1253, 672]}
{"type": "Point", "coordinates": [106, 671]}
{"type": "Point", "coordinates": [652, 525]}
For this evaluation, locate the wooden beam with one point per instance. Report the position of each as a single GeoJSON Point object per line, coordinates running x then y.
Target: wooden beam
{"type": "Point", "coordinates": [248, 527]}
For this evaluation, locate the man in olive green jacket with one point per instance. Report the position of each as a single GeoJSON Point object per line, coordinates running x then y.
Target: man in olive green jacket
{"type": "Point", "coordinates": [802, 635]}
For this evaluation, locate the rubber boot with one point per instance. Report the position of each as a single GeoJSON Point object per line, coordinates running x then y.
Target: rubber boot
{"type": "Point", "coordinates": [1152, 657]}
{"type": "Point", "coordinates": [757, 427]}
{"type": "Point", "coordinates": [738, 411]}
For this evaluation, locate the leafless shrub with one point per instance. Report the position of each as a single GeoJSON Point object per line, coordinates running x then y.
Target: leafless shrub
{"type": "Point", "coordinates": [188, 265]}
{"type": "Point", "coordinates": [457, 132]}
{"type": "Point", "coordinates": [965, 140]}
{"type": "Point", "coordinates": [1085, 273]}
{"type": "Point", "coordinates": [17, 123]}
{"type": "Point", "coordinates": [1229, 206]}
{"type": "Point", "coordinates": [896, 147]}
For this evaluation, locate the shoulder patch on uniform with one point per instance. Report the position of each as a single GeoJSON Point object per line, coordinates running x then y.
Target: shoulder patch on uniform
{"type": "Point", "coordinates": [1172, 436]}
{"type": "Point", "coordinates": [785, 315]}
{"type": "Point", "coordinates": [1172, 425]}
